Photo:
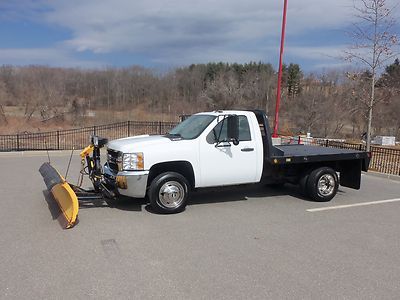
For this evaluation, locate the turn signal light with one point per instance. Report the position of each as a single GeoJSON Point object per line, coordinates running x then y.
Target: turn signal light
{"type": "Point", "coordinates": [122, 182]}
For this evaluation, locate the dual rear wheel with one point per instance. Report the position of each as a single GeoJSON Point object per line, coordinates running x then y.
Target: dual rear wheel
{"type": "Point", "coordinates": [320, 185]}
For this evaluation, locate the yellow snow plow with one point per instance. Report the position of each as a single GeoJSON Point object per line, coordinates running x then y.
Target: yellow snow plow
{"type": "Point", "coordinates": [67, 195]}
{"type": "Point", "coordinates": [62, 193]}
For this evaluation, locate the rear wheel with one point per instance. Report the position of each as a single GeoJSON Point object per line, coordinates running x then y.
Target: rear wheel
{"type": "Point", "coordinates": [322, 184]}
{"type": "Point", "coordinates": [169, 193]}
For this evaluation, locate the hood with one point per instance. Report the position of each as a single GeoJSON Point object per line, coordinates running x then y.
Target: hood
{"type": "Point", "coordinates": [137, 143]}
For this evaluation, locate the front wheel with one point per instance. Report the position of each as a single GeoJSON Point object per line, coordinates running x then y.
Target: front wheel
{"type": "Point", "coordinates": [322, 184]}
{"type": "Point", "coordinates": [169, 193]}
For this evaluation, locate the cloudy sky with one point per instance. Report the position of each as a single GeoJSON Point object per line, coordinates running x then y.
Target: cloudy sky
{"type": "Point", "coordinates": [161, 33]}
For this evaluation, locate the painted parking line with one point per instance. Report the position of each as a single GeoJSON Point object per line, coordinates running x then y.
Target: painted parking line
{"type": "Point", "coordinates": [353, 205]}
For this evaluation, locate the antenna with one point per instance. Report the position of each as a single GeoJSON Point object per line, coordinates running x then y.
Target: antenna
{"type": "Point", "coordinates": [69, 163]}
{"type": "Point", "coordinates": [47, 148]}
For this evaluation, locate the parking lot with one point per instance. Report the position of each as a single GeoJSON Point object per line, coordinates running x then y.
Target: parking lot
{"type": "Point", "coordinates": [233, 243]}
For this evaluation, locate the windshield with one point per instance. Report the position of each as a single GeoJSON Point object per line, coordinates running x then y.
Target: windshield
{"type": "Point", "coordinates": [192, 127]}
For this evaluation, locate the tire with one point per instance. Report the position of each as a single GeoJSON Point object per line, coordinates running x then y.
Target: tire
{"type": "Point", "coordinates": [322, 184]}
{"type": "Point", "coordinates": [169, 193]}
{"type": "Point", "coordinates": [303, 185]}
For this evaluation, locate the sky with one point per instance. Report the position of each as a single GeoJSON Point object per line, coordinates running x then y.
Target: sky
{"type": "Point", "coordinates": [167, 34]}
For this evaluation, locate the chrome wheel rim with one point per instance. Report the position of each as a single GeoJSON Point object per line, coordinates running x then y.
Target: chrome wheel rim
{"type": "Point", "coordinates": [171, 194]}
{"type": "Point", "coordinates": [326, 185]}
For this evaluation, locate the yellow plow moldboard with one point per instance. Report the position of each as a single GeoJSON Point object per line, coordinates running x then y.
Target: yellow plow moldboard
{"type": "Point", "coordinates": [62, 192]}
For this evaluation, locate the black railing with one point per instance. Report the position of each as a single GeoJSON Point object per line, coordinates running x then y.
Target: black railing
{"type": "Point", "coordinates": [384, 160]}
{"type": "Point", "coordinates": [79, 138]}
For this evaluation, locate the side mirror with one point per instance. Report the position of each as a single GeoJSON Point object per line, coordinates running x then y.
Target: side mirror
{"type": "Point", "coordinates": [233, 129]}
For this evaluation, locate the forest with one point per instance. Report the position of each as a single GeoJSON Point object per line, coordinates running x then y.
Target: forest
{"type": "Point", "coordinates": [328, 104]}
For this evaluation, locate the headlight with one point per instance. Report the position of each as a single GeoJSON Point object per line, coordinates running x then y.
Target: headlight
{"type": "Point", "coordinates": [133, 161]}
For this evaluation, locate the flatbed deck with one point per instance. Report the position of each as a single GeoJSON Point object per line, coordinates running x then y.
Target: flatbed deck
{"type": "Point", "coordinates": [303, 150]}
{"type": "Point", "coordinates": [303, 153]}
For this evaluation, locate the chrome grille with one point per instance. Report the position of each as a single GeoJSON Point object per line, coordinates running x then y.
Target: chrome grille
{"type": "Point", "coordinates": [113, 158]}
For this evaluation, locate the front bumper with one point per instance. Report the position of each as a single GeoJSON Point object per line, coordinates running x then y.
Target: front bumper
{"type": "Point", "coordinates": [128, 183]}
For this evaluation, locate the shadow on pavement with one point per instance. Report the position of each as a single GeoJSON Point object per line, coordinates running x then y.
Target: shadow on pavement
{"type": "Point", "coordinates": [55, 210]}
{"type": "Point", "coordinates": [204, 196]}
{"type": "Point", "coordinates": [239, 193]}
{"type": "Point", "coordinates": [129, 204]}
{"type": "Point", "coordinates": [242, 193]}
{"type": "Point", "coordinates": [52, 204]}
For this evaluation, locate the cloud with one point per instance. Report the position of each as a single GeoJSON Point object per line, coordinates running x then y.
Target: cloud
{"type": "Point", "coordinates": [43, 56]}
{"type": "Point", "coordinates": [199, 55]}
{"type": "Point", "coordinates": [181, 31]}
{"type": "Point", "coordinates": [188, 31]}
{"type": "Point", "coordinates": [316, 52]}
{"type": "Point", "coordinates": [140, 26]}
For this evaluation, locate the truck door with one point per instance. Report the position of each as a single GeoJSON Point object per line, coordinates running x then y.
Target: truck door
{"type": "Point", "coordinates": [224, 163]}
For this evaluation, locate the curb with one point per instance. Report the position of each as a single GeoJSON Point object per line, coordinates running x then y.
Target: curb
{"type": "Point", "coordinates": [36, 153]}
{"type": "Point", "coordinates": [383, 175]}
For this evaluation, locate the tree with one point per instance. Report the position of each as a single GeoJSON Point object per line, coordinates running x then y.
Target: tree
{"type": "Point", "coordinates": [294, 76]}
{"type": "Point", "coordinates": [390, 80]}
{"type": "Point", "coordinates": [391, 77]}
{"type": "Point", "coordinates": [3, 97]}
{"type": "Point", "coordinates": [373, 45]}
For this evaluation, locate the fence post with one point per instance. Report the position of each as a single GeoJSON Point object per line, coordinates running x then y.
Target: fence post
{"type": "Point", "coordinates": [159, 127]}
{"type": "Point", "coordinates": [129, 128]}
{"type": "Point", "coordinates": [94, 130]}
{"type": "Point", "coordinates": [58, 139]}
{"type": "Point", "coordinates": [17, 142]}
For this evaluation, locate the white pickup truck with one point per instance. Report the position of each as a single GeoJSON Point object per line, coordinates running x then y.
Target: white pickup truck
{"type": "Point", "coordinates": [223, 148]}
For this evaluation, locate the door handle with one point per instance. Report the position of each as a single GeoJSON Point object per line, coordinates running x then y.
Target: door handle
{"type": "Point", "coordinates": [247, 149]}
{"type": "Point", "coordinates": [223, 145]}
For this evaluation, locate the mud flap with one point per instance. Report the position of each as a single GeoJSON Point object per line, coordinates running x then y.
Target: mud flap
{"type": "Point", "coordinates": [350, 174]}
{"type": "Point", "coordinates": [62, 192]}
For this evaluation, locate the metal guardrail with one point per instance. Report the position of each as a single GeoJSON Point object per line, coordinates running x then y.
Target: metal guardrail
{"type": "Point", "coordinates": [78, 138]}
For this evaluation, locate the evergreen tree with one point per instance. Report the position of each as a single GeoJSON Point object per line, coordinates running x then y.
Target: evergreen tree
{"type": "Point", "coordinates": [294, 79]}
{"type": "Point", "coordinates": [391, 77]}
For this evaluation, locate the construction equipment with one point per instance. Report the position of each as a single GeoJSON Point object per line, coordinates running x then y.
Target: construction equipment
{"type": "Point", "coordinates": [67, 195]}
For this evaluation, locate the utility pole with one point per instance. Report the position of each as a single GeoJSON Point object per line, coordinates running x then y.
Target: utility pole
{"type": "Point", "coordinates": [278, 90]}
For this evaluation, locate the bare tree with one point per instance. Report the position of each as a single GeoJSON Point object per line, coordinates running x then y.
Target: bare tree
{"type": "Point", "coordinates": [373, 45]}
{"type": "Point", "coordinates": [3, 96]}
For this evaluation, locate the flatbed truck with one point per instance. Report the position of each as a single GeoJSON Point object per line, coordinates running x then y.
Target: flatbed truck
{"type": "Point", "coordinates": [224, 148]}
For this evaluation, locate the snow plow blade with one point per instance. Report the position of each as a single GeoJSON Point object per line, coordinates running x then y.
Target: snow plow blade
{"type": "Point", "coordinates": [62, 192]}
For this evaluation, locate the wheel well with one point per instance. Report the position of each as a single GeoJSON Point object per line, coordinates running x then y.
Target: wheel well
{"type": "Point", "coordinates": [306, 169]}
{"type": "Point", "coordinates": [182, 167]}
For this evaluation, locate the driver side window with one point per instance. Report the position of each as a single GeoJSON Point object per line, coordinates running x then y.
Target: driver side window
{"type": "Point", "coordinates": [222, 131]}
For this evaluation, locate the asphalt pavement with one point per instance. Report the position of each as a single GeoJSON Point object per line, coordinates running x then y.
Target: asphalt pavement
{"type": "Point", "coordinates": [232, 243]}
